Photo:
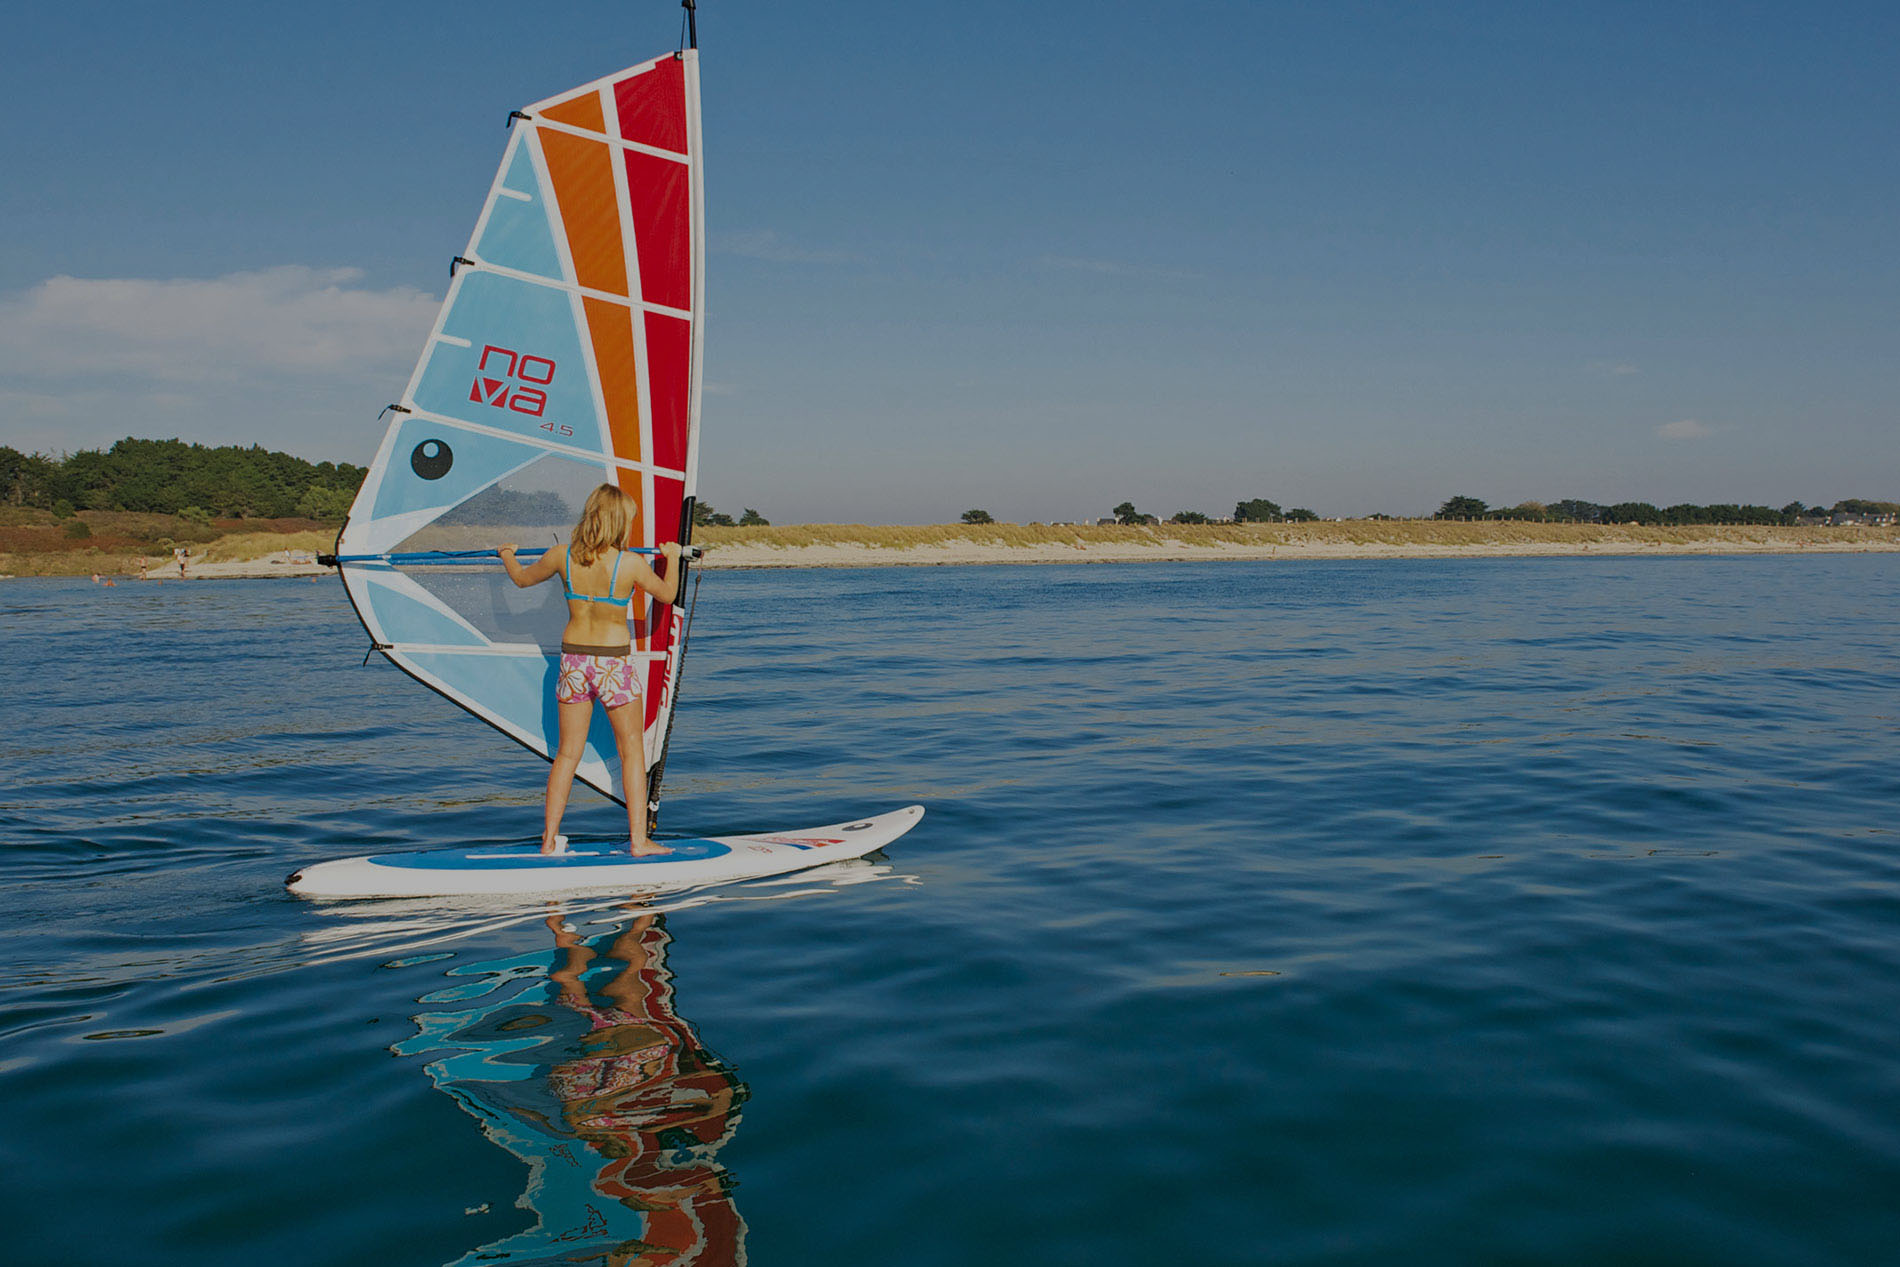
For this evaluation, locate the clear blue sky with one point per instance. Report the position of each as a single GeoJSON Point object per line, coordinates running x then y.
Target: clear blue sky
{"type": "Point", "coordinates": [1038, 258]}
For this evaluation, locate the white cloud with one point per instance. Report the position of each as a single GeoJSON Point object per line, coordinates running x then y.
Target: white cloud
{"type": "Point", "coordinates": [278, 356]}
{"type": "Point", "coordinates": [766, 244]}
{"type": "Point", "coordinates": [1107, 268]}
{"type": "Point", "coordinates": [293, 319]}
{"type": "Point", "coordinates": [1685, 429]}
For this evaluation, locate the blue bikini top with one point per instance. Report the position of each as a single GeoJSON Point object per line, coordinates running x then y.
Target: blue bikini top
{"type": "Point", "coordinates": [567, 583]}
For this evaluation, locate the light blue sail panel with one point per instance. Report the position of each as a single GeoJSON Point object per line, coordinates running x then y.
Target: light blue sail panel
{"type": "Point", "coordinates": [519, 689]}
{"type": "Point", "coordinates": [403, 616]}
{"type": "Point", "coordinates": [433, 467]}
{"type": "Point", "coordinates": [522, 371]}
{"type": "Point", "coordinates": [482, 594]}
{"type": "Point", "coordinates": [518, 234]}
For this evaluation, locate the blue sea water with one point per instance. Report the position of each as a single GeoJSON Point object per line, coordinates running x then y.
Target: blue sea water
{"type": "Point", "coordinates": [1462, 912]}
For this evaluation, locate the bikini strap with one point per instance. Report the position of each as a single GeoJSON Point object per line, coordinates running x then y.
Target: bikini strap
{"type": "Point", "coordinates": [615, 578]}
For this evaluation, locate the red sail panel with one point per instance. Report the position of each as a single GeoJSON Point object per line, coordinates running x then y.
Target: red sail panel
{"type": "Point", "coordinates": [658, 188]}
{"type": "Point", "coordinates": [647, 612]}
{"type": "Point", "coordinates": [667, 622]}
{"type": "Point", "coordinates": [669, 378]}
{"type": "Point", "coordinates": [668, 495]}
{"type": "Point", "coordinates": [652, 106]}
{"type": "Point", "coordinates": [660, 630]}
{"type": "Point", "coordinates": [582, 171]}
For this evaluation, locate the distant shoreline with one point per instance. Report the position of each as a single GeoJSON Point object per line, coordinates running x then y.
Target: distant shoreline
{"type": "Point", "coordinates": [850, 555]}
{"type": "Point", "coordinates": [974, 545]}
{"type": "Point", "coordinates": [850, 545]}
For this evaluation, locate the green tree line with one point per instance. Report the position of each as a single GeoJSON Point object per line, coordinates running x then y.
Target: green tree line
{"type": "Point", "coordinates": [171, 477]}
{"type": "Point", "coordinates": [1575, 510]}
{"type": "Point", "coordinates": [1258, 510]}
{"type": "Point", "coordinates": [705, 516]}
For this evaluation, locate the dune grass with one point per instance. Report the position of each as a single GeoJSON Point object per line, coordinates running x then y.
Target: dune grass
{"type": "Point", "coordinates": [242, 546]}
{"type": "Point", "coordinates": [69, 563]}
{"type": "Point", "coordinates": [34, 544]}
{"type": "Point", "coordinates": [1363, 532]}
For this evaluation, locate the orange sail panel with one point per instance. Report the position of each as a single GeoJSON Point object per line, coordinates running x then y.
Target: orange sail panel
{"type": "Point", "coordinates": [579, 112]}
{"type": "Point", "coordinates": [610, 326]}
{"type": "Point", "coordinates": [590, 210]}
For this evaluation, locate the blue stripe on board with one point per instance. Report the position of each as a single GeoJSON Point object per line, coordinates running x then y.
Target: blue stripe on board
{"type": "Point", "coordinates": [530, 857]}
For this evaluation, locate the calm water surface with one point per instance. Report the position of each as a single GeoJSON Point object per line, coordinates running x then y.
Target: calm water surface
{"type": "Point", "coordinates": [1400, 912]}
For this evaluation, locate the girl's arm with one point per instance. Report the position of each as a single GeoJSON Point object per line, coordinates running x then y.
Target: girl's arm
{"type": "Point", "coordinates": [666, 588]}
{"type": "Point", "coordinates": [533, 574]}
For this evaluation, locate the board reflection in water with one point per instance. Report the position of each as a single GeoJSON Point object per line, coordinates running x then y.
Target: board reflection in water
{"type": "Point", "coordinates": [574, 1060]}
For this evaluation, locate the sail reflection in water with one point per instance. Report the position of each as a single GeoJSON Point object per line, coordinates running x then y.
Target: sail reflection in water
{"type": "Point", "coordinates": [574, 1060]}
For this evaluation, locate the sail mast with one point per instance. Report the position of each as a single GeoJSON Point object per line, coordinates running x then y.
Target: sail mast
{"type": "Point", "coordinates": [656, 774]}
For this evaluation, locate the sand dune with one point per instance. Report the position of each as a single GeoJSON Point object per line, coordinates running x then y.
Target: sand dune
{"type": "Point", "coordinates": [851, 545]}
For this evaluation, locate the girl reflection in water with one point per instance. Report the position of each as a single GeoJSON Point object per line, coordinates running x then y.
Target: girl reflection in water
{"type": "Point", "coordinates": [645, 1094]}
{"type": "Point", "coordinates": [573, 1059]}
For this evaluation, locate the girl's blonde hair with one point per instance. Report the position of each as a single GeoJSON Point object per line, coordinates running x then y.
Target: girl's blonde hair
{"type": "Point", "coordinates": [605, 522]}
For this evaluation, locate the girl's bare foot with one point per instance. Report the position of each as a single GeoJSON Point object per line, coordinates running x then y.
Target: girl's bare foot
{"type": "Point", "coordinates": [553, 844]}
{"type": "Point", "coordinates": [647, 849]}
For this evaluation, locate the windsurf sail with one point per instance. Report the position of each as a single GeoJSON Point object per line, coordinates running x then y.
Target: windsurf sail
{"type": "Point", "coordinates": [567, 354]}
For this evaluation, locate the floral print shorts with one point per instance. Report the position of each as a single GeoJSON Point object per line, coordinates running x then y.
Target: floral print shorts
{"type": "Point", "coordinates": [607, 678]}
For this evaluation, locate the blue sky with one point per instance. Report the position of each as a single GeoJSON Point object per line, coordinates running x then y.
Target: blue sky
{"type": "Point", "coordinates": [1034, 258]}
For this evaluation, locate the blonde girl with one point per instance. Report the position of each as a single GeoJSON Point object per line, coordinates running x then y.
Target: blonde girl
{"type": "Point", "coordinates": [600, 577]}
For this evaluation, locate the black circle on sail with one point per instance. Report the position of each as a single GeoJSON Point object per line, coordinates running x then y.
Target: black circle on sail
{"type": "Point", "coordinates": [432, 459]}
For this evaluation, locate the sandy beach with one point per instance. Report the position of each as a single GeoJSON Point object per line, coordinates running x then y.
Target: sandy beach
{"type": "Point", "coordinates": [852, 546]}
{"type": "Point", "coordinates": [1164, 550]}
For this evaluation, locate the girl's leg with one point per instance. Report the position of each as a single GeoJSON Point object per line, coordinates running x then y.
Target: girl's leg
{"type": "Point", "coordinates": [567, 759]}
{"type": "Point", "coordinates": [629, 723]}
{"type": "Point", "coordinates": [579, 955]}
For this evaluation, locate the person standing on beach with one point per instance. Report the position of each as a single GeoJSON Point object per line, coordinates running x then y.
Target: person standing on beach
{"type": "Point", "coordinates": [597, 660]}
{"type": "Point", "coordinates": [181, 555]}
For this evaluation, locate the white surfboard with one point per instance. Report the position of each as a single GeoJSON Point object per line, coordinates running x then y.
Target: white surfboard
{"type": "Point", "coordinates": [525, 869]}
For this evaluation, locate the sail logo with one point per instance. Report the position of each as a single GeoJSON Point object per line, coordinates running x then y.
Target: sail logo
{"type": "Point", "coordinates": [512, 380]}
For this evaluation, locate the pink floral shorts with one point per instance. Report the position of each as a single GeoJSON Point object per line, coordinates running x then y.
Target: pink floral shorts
{"type": "Point", "coordinates": [608, 678]}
